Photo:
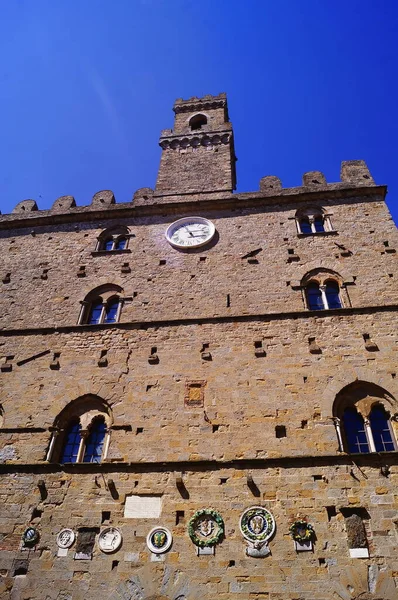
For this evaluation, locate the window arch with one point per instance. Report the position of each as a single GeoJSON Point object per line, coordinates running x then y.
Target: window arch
{"type": "Point", "coordinates": [312, 220]}
{"type": "Point", "coordinates": [113, 239]}
{"type": "Point", "coordinates": [322, 290]}
{"type": "Point", "coordinates": [101, 305]}
{"type": "Point", "coordinates": [197, 121]}
{"type": "Point", "coordinates": [81, 432]}
{"type": "Point", "coordinates": [363, 421]}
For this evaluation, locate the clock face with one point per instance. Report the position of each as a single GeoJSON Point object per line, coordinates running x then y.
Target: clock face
{"type": "Point", "coordinates": [190, 232]}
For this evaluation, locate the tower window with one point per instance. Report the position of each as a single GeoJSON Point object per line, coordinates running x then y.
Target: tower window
{"type": "Point", "coordinates": [312, 220]}
{"type": "Point", "coordinates": [113, 239]}
{"type": "Point", "coordinates": [322, 292]}
{"type": "Point", "coordinates": [197, 122]}
{"type": "Point", "coordinates": [102, 305]}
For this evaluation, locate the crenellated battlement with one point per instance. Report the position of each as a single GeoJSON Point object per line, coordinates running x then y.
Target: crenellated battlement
{"type": "Point", "coordinates": [353, 173]}
{"type": "Point", "coordinates": [194, 103]}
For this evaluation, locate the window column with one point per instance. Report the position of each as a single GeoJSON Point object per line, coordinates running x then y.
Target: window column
{"type": "Point", "coordinates": [369, 434]}
{"type": "Point", "coordinates": [337, 425]}
{"type": "Point", "coordinates": [324, 297]}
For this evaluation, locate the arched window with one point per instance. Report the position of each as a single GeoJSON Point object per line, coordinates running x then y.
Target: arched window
{"type": "Point", "coordinates": [314, 297]}
{"type": "Point", "coordinates": [113, 239]}
{"type": "Point", "coordinates": [102, 305]}
{"type": "Point", "coordinates": [197, 122]}
{"type": "Point", "coordinates": [381, 429]}
{"type": "Point", "coordinates": [71, 446]}
{"type": "Point", "coordinates": [111, 310]}
{"type": "Point", "coordinates": [95, 312]}
{"type": "Point", "coordinates": [305, 225]}
{"type": "Point", "coordinates": [332, 293]}
{"type": "Point", "coordinates": [312, 220]}
{"type": "Point", "coordinates": [81, 432]}
{"type": "Point", "coordinates": [95, 441]}
{"type": "Point", "coordinates": [363, 424]}
{"type": "Point", "coordinates": [319, 224]}
{"type": "Point", "coordinates": [354, 427]}
{"type": "Point", "coordinates": [322, 292]}
{"type": "Point", "coordinates": [120, 243]}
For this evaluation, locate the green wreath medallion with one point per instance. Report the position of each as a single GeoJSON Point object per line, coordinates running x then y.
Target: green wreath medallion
{"type": "Point", "coordinates": [257, 524]}
{"type": "Point", "coordinates": [302, 531]}
{"type": "Point", "coordinates": [206, 528]}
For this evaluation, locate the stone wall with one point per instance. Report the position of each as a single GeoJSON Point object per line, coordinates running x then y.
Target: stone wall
{"type": "Point", "coordinates": [218, 385]}
{"type": "Point", "coordinates": [164, 283]}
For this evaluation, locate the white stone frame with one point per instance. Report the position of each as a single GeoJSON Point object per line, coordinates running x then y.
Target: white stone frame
{"type": "Point", "coordinates": [368, 430]}
{"type": "Point", "coordinates": [84, 433]}
{"type": "Point", "coordinates": [322, 286]}
{"type": "Point", "coordinates": [311, 214]}
{"type": "Point", "coordinates": [164, 548]}
{"type": "Point", "coordinates": [106, 297]}
{"type": "Point", "coordinates": [115, 232]}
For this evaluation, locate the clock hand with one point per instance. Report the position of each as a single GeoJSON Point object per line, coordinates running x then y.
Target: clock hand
{"type": "Point", "coordinates": [189, 232]}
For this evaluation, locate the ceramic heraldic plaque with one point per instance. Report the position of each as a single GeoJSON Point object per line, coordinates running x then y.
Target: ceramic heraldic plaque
{"type": "Point", "coordinates": [159, 540]}
{"type": "Point", "coordinates": [303, 534]}
{"type": "Point", "coordinates": [257, 526]}
{"type": "Point", "coordinates": [206, 528]}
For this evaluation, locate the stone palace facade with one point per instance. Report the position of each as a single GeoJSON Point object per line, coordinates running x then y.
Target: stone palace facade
{"type": "Point", "coordinates": [199, 390]}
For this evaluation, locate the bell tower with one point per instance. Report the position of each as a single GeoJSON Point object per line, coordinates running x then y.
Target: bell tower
{"type": "Point", "coordinates": [198, 155]}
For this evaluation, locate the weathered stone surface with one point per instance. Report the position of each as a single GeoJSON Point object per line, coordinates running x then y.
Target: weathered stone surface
{"type": "Point", "coordinates": [239, 359]}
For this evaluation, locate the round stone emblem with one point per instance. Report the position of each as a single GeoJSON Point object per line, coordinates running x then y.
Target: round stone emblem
{"type": "Point", "coordinates": [65, 538]}
{"type": "Point", "coordinates": [110, 540]}
{"type": "Point", "coordinates": [206, 528]}
{"type": "Point", "coordinates": [159, 540]}
{"type": "Point", "coordinates": [257, 524]}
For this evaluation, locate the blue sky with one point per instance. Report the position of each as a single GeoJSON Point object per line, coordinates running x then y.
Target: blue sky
{"type": "Point", "coordinates": [87, 85]}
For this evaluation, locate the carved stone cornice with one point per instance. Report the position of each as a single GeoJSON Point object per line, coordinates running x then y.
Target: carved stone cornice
{"type": "Point", "coordinates": [195, 141]}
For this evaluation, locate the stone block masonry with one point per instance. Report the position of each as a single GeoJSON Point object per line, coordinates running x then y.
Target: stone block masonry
{"type": "Point", "coordinates": [218, 380]}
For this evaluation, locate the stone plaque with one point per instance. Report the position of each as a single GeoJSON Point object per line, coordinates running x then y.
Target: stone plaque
{"type": "Point", "coordinates": [359, 553]}
{"type": "Point", "coordinates": [143, 507]}
{"type": "Point", "coordinates": [206, 550]}
{"type": "Point", "coordinates": [82, 556]}
{"type": "Point", "coordinates": [303, 546]}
